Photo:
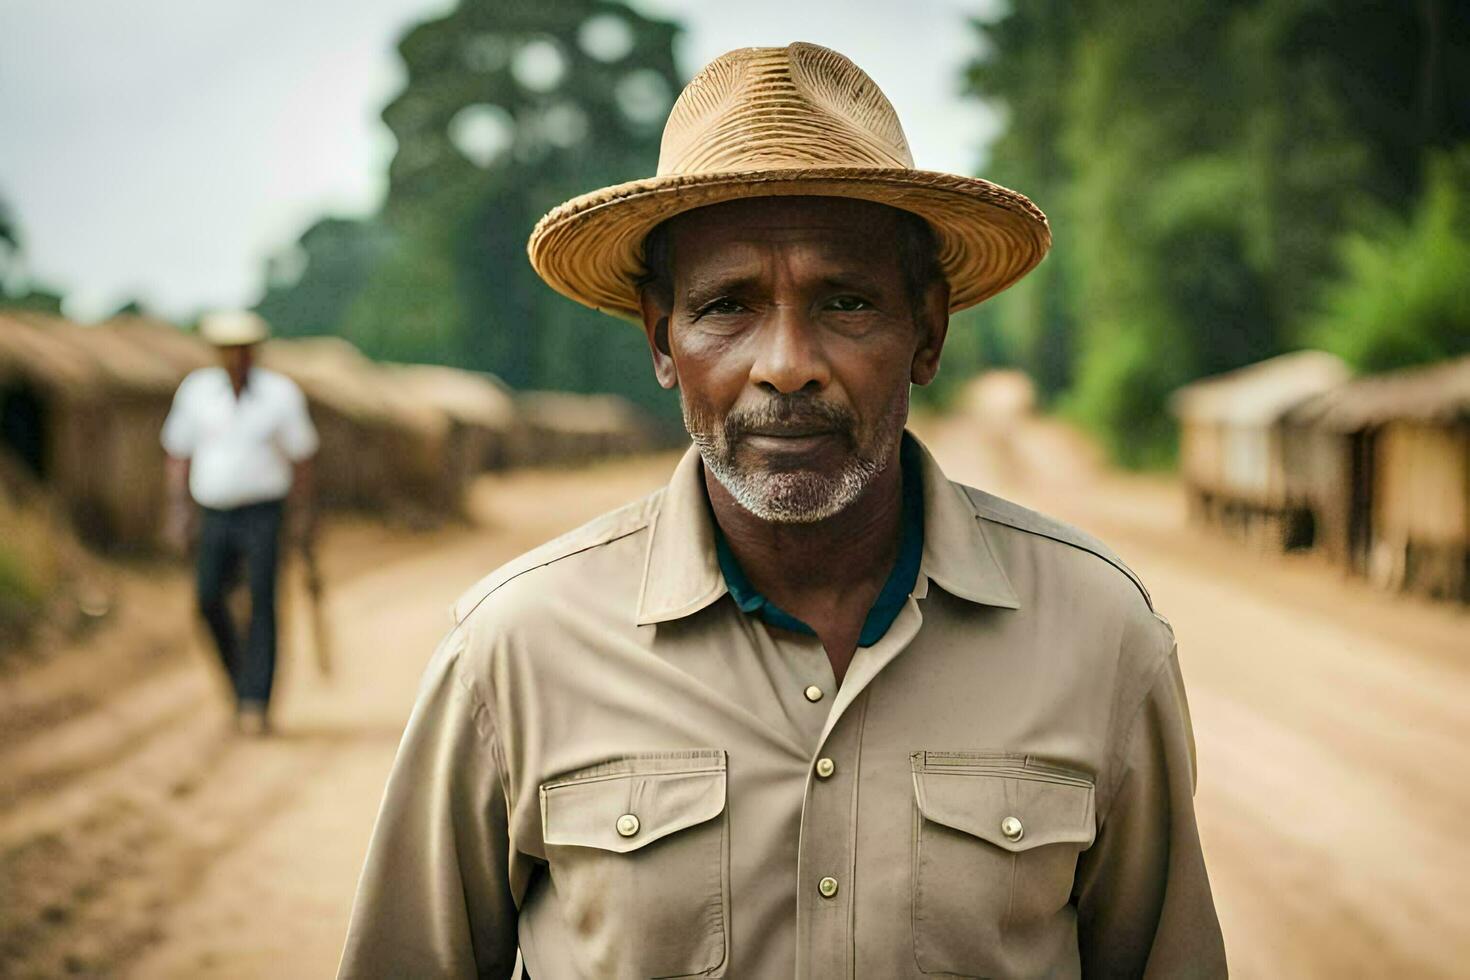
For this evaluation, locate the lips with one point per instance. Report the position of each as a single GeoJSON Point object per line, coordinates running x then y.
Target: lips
{"type": "Point", "coordinates": [796, 446]}
{"type": "Point", "coordinates": [790, 432]}
{"type": "Point", "coordinates": [790, 423]}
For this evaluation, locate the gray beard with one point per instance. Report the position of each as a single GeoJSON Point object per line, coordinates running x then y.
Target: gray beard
{"type": "Point", "coordinates": [796, 496]}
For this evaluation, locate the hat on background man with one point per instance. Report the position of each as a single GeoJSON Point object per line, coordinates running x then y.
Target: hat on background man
{"type": "Point", "coordinates": [233, 328]}
{"type": "Point", "coordinates": [794, 121]}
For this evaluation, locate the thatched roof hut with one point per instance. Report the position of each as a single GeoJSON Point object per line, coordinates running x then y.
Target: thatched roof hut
{"type": "Point", "coordinates": [485, 423]}
{"type": "Point", "coordinates": [59, 353]}
{"type": "Point", "coordinates": [1232, 455]}
{"type": "Point", "coordinates": [561, 428]}
{"type": "Point", "coordinates": [1435, 395]}
{"type": "Point", "coordinates": [1227, 420]}
{"type": "Point", "coordinates": [82, 408]}
{"type": "Point", "coordinates": [180, 350]}
{"type": "Point", "coordinates": [1387, 458]}
{"type": "Point", "coordinates": [381, 447]}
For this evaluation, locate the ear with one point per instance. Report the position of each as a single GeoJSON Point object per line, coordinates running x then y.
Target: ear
{"type": "Point", "coordinates": [656, 328]}
{"type": "Point", "coordinates": [931, 316]}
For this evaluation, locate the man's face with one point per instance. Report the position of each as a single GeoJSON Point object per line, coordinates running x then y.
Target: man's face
{"type": "Point", "coordinates": [793, 336]}
{"type": "Point", "coordinates": [237, 360]}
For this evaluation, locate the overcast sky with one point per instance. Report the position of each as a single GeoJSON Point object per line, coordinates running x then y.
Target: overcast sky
{"type": "Point", "coordinates": [161, 149]}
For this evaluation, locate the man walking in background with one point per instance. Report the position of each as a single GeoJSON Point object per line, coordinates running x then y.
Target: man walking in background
{"type": "Point", "coordinates": [239, 441]}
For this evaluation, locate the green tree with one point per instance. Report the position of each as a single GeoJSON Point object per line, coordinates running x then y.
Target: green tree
{"type": "Point", "coordinates": [7, 228]}
{"type": "Point", "coordinates": [510, 107]}
{"type": "Point", "coordinates": [1032, 321]}
{"type": "Point", "coordinates": [17, 289]}
{"type": "Point", "coordinates": [1404, 296]}
{"type": "Point", "coordinates": [1201, 163]}
{"type": "Point", "coordinates": [312, 284]}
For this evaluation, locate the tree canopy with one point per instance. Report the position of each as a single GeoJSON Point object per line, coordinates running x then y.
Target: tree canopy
{"type": "Point", "coordinates": [1226, 181]}
{"type": "Point", "coordinates": [17, 289]}
{"type": "Point", "coordinates": [510, 107]}
{"type": "Point", "coordinates": [1203, 164]}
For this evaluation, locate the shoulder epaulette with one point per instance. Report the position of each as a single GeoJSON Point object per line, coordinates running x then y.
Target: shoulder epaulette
{"type": "Point", "coordinates": [600, 531]}
{"type": "Point", "coordinates": [1001, 511]}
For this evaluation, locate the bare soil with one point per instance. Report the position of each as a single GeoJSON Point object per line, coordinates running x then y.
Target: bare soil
{"type": "Point", "coordinates": [140, 837]}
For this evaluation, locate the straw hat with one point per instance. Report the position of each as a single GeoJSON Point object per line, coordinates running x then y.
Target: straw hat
{"type": "Point", "coordinates": [233, 328]}
{"type": "Point", "coordinates": [766, 122]}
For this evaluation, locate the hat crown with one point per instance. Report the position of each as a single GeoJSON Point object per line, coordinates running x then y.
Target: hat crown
{"type": "Point", "coordinates": [230, 328]}
{"type": "Point", "coordinates": [793, 108]}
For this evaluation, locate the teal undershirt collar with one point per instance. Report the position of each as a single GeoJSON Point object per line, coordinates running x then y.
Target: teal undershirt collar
{"type": "Point", "coordinates": [895, 591]}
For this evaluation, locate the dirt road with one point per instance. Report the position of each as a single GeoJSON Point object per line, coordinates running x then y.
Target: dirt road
{"type": "Point", "coordinates": [1330, 720]}
{"type": "Point", "coordinates": [137, 837]}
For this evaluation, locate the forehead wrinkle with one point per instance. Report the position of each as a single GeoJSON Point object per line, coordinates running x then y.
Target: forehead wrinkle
{"type": "Point", "coordinates": [765, 219]}
{"type": "Point", "coordinates": [733, 268]}
{"type": "Point", "coordinates": [749, 258]}
{"type": "Point", "coordinates": [822, 237]}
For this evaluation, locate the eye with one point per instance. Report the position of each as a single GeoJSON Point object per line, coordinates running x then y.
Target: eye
{"type": "Point", "coordinates": [723, 305]}
{"type": "Point", "coordinates": [848, 304]}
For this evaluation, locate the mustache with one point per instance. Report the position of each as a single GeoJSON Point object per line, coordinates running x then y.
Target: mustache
{"type": "Point", "coordinates": [793, 412]}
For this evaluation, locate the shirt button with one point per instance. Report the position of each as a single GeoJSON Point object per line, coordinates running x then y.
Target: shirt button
{"type": "Point", "coordinates": [827, 887]}
{"type": "Point", "coordinates": [825, 768]}
{"type": "Point", "coordinates": [813, 693]}
{"type": "Point", "coordinates": [627, 825]}
{"type": "Point", "coordinates": [1012, 828]}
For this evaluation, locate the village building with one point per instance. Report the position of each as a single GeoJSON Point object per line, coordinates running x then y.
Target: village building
{"type": "Point", "coordinates": [1233, 455]}
{"type": "Point", "coordinates": [1385, 463]}
{"type": "Point", "coordinates": [81, 408]}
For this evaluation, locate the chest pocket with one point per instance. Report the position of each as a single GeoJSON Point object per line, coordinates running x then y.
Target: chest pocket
{"type": "Point", "coordinates": [638, 854]}
{"type": "Point", "coordinates": [996, 839]}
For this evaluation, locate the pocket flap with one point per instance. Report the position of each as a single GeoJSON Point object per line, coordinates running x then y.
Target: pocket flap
{"type": "Point", "coordinates": [1007, 805]}
{"type": "Point", "coordinates": [662, 792]}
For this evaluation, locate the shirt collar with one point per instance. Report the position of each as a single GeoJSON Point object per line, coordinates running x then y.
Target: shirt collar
{"type": "Point", "coordinates": [896, 590]}
{"type": "Point", "coordinates": [227, 385]}
{"type": "Point", "coordinates": [682, 575]}
{"type": "Point", "coordinates": [957, 553]}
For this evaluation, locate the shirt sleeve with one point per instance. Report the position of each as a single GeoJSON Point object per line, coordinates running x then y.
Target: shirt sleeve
{"type": "Point", "coordinates": [1143, 896]}
{"type": "Point", "coordinates": [434, 900]}
{"type": "Point", "coordinates": [180, 430]}
{"type": "Point", "coordinates": [298, 438]}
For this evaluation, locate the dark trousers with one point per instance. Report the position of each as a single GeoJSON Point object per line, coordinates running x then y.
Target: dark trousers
{"type": "Point", "coordinates": [245, 538]}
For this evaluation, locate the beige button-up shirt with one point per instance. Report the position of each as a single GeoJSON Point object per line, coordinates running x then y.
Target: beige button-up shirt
{"type": "Point", "coordinates": [614, 770]}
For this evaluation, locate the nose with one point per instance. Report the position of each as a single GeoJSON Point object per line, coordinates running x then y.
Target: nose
{"type": "Point", "coordinates": [790, 356]}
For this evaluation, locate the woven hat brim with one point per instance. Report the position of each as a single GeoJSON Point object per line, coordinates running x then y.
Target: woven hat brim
{"type": "Point", "coordinates": [234, 336]}
{"type": "Point", "coordinates": [590, 249]}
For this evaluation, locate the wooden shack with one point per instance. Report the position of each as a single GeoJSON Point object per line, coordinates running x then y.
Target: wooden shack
{"type": "Point", "coordinates": [180, 350]}
{"type": "Point", "coordinates": [1232, 456]}
{"type": "Point", "coordinates": [1386, 460]}
{"type": "Point", "coordinates": [1232, 452]}
{"type": "Point", "coordinates": [485, 425]}
{"type": "Point", "coordinates": [382, 448]}
{"type": "Point", "coordinates": [560, 428]}
{"type": "Point", "coordinates": [82, 409]}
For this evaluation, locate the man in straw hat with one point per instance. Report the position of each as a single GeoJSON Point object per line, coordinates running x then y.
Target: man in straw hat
{"type": "Point", "coordinates": [239, 442]}
{"type": "Point", "coordinates": [812, 709]}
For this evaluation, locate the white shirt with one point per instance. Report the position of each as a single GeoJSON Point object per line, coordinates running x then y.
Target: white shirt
{"type": "Point", "coordinates": [240, 450]}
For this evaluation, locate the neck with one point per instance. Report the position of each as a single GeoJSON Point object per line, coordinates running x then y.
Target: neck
{"type": "Point", "coordinates": [793, 564]}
